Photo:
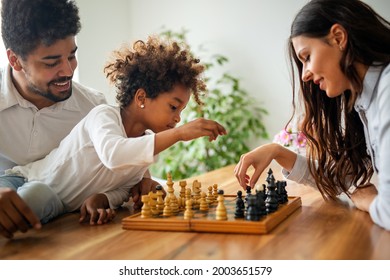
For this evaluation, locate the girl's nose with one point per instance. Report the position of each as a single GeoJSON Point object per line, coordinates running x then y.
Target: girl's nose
{"type": "Point", "coordinates": [177, 118]}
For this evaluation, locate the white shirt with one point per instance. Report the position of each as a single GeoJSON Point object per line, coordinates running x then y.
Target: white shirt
{"type": "Point", "coordinates": [96, 157]}
{"type": "Point", "coordinates": [373, 106]}
{"type": "Point", "coordinates": [28, 134]}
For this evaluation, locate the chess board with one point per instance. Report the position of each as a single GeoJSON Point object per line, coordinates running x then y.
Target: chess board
{"type": "Point", "coordinates": [205, 221]}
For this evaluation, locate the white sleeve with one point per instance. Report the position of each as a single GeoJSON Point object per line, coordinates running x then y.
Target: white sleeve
{"type": "Point", "coordinates": [115, 150]}
{"type": "Point", "coordinates": [118, 196]}
{"type": "Point", "coordinates": [380, 207]}
{"type": "Point", "coordinates": [300, 172]}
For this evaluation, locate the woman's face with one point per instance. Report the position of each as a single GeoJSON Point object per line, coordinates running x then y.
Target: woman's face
{"type": "Point", "coordinates": [321, 63]}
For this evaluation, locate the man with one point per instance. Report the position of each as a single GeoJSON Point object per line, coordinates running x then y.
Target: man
{"type": "Point", "coordinates": [39, 102]}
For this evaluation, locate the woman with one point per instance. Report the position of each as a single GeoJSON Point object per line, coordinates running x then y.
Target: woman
{"type": "Point", "coordinates": [341, 50]}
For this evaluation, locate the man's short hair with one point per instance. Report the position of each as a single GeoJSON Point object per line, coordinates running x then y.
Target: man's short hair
{"type": "Point", "coordinates": [25, 24]}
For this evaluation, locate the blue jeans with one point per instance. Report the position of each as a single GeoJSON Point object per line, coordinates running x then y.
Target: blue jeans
{"type": "Point", "coordinates": [42, 200]}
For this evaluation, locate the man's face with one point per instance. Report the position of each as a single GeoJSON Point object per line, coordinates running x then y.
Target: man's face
{"type": "Point", "coordinates": [47, 72]}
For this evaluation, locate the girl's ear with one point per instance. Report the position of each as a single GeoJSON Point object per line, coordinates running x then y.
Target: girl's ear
{"type": "Point", "coordinates": [140, 98]}
{"type": "Point", "coordinates": [339, 36]}
{"type": "Point", "coordinates": [14, 60]}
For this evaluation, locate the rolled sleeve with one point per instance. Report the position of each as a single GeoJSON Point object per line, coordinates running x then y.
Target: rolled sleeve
{"type": "Point", "coordinates": [300, 172]}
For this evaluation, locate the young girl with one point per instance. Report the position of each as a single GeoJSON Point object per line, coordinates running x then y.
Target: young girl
{"type": "Point", "coordinates": [110, 150]}
{"type": "Point", "coordinates": [342, 52]}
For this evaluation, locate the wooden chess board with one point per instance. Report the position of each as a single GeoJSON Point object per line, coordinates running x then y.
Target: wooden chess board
{"type": "Point", "coordinates": [204, 221]}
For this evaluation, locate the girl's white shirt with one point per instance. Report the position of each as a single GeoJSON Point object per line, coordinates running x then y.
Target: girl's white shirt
{"type": "Point", "coordinates": [96, 157]}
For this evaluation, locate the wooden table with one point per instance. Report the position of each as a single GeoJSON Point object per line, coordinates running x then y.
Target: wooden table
{"type": "Point", "coordinates": [318, 231]}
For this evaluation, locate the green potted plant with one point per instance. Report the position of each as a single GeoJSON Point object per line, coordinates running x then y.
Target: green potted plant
{"type": "Point", "coordinates": [226, 102]}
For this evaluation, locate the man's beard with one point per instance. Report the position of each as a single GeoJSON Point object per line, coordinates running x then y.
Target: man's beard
{"type": "Point", "coordinates": [64, 95]}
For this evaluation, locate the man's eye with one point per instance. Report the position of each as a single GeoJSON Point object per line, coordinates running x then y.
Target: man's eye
{"type": "Point", "coordinates": [50, 65]}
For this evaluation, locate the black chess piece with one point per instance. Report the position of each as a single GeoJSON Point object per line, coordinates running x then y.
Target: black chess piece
{"type": "Point", "coordinates": [248, 193]}
{"type": "Point", "coordinates": [240, 206]}
{"type": "Point", "coordinates": [282, 193]}
{"type": "Point", "coordinates": [252, 214]}
{"type": "Point", "coordinates": [270, 173]}
{"type": "Point", "coordinates": [264, 192]}
{"type": "Point", "coordinates": [271, 202]}
{"type": "Point", "coordinates": [260, 203]}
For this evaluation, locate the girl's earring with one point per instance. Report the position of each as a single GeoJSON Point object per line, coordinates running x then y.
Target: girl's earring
{"type": "Point", "coordinates": [341, 48]}
{"type": "Point", "coordinates": [142, 106]}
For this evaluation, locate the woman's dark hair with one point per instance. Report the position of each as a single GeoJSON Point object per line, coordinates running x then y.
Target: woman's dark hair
{"type": "Point", "coordinates": [155, 66]}
{"type": "Point", "coordinates": [333, 128]}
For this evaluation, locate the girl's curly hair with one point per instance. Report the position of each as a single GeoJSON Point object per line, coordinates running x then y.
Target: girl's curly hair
{"type": "Point", "coordinates": [155, 66]}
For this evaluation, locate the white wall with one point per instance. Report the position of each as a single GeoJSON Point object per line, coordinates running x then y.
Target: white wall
{"type": "Point", "coordinates": [251, 33]}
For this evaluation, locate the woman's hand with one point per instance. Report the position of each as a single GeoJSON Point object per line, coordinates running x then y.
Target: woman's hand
{"type": "Point", "coordinates": [363, 196]}
{"type": "Point", "coordinates": [259, 159]}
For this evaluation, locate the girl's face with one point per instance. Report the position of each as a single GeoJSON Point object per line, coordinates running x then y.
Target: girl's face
{"type": "Point", "coordinates": [321, 63]}
{"type": "Point", "coordinates": [163, 112]}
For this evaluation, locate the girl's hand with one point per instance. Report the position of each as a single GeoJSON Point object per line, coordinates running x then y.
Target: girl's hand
{"type": "Point", "coordinates": [96, 207]}
{"type": "Point", "coordinates": [199, 128]}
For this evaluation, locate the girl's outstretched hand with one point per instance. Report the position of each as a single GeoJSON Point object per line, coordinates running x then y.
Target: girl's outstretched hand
{"type": "Point", "coordinates": [199, 128]}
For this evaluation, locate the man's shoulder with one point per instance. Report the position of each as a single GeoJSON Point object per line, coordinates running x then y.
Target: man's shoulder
{"type": "Point", "coordinates": [84, 93]}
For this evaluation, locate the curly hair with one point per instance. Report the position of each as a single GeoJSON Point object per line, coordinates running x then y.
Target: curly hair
{"type": "Point", "coordinates": [155, 66]}
{"type": "Point", "coordinates": [334, 130]}
{"type": "Point", "coordinates": [27, 23]}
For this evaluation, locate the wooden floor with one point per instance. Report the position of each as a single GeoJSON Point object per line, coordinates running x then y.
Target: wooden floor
{"type": "Point", "coordinates": [317, 230]}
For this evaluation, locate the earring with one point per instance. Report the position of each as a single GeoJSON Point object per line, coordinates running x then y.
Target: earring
{"type": "Point", "coordinates": [341, 48]}
{"type": "Point", "coordinates": [142, 106]}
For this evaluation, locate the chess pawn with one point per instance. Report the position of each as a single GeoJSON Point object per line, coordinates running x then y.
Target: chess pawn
{"type": "Point", "coordinates": [210, 197]}
{"type": "Point", "coordinates": [188, 196]}
{"type": "Point", "coordinates": [145, 210]}
{"type": "Point", "coordinates": [182, 198]}
{"type": "Point", "coordinates": [160, 200]}
{"type": "Point", "coordinates": [196, 198]}
{"type": "Point", "coordinates": [220, 212]}
{"type": "Point", "coordinates": [240, 206]}
{"type": "Point", "coordinates": [203, 206]}
{"type": "Point", "coordinates": [215, 191]}
{"type": "Point", "coordinates": [188, 213]}
{"type": "Point", "coordinates": [174, 204]}
{"type": "Point", "coordinates": [153, 203]}
{"type": "Point", "coordinates": [167, 212]}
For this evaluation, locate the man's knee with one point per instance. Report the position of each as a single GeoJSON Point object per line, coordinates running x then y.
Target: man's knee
{"type": "Point", "coordinates": [36, 191]}
{"type": "Point", "coordinates": [42, 200]}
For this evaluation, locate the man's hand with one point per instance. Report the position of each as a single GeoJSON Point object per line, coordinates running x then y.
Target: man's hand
{"type": "Point", "coordinates": [15, 215]}
{"type": "Point", "coordinates": [97, 208]}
